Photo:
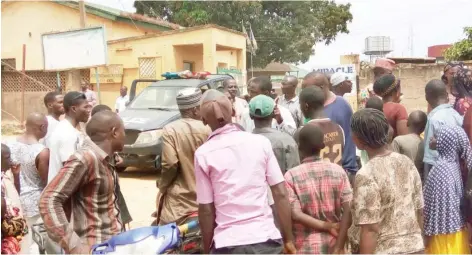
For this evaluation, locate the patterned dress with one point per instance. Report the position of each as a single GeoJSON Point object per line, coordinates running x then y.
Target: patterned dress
{"type": "Point", "coordinates": [13, 226]}
{"type": "Point", "coordinates": [444, 190]}
{"type": "Point", "coordinates": [388, 192]}
{"type": "Point", "coordinates": [31, 184]}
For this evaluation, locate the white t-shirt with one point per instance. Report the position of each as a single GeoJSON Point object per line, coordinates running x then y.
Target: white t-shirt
{"type": "Point", "coordinates": [248, 124]}
{"type": "Point", "coordinates": [64, 142]}
{"type": "Point", "coordinates": [52, 124]}
{"type": "Point", "coordinates": [120, 104]}
{"type": "Point", "coordinates": [239, 106]}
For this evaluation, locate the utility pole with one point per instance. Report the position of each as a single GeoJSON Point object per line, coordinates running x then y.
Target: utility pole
{"type": "Point", "coordinates": [73, 76]}
{"type": "Point", "coordinates": [82, 13]}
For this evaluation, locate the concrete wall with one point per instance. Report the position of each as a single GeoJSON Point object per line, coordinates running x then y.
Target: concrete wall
{"type": "Point", "coordinates": [11, 104]}
{"type": "Point", "coordinates": [23, 22]}
{"type": "Point", "coordinates": [413, 81]}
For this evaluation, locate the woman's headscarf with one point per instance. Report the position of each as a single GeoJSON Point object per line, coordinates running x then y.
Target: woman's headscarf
{"type": "Point", "coordinates": [462, 82]}
{"type": "Point", "coordinates": [448, 66]}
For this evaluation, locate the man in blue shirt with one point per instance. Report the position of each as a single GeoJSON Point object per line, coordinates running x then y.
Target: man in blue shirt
{"type": "Point", "coordinates": [338, 110]}
{"type": "Point", "coordinates": [442, 113]}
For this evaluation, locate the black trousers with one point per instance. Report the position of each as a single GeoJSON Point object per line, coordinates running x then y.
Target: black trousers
{"type": "Point", "coordinates": [268, 247]}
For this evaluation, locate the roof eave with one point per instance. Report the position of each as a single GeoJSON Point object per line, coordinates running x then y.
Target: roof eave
{"type": "Point", "coordinates": [116, 17]}
{"type": "Point", "coordinates": [89, 9]}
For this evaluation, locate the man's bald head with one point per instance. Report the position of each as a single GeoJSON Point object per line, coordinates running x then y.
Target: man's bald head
{"type": "Point", "coordinates": [36, 119]}
{"type": "Point", "coordinates": [106, 126]}
{"type": "Point", "coordinates": [290, 80]}
{"type": "Point", "coordinates": [316, 79]}
{"type": "Point", "coordinates": [436, 92]}
{"type": "Point", "coordinates": [289, 86]}
{"type": "Point", "coordinates": [37, 125]}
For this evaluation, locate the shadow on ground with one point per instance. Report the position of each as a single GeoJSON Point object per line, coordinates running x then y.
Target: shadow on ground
{"type": "Point", "coordinates": [139, 173]}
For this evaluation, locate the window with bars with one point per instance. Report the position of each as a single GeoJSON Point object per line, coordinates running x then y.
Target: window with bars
{"type": "Point", "coordinates": [147, 68]}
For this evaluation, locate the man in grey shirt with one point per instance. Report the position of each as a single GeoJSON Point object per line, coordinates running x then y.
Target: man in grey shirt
{"type": "Point", "coordinates": [261, 110]}
{"type": "Point", "coordinates": [289, 99]}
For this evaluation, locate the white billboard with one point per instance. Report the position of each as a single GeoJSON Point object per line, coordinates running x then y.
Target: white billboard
{"type": "Point", "coordinates": [349, 70]}
{"type": "Point", "coordinates": [76, 49]}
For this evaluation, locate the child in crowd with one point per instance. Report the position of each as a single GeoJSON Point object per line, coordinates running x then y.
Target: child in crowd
{"type": "Point", "coordinates": [412, 145]}
{"type": "Point", "coordinates": [312, 101]}
{"type": "Point", "coordinates": [320, 197]}
{"type": "Point", "coordinates": [376, 103]}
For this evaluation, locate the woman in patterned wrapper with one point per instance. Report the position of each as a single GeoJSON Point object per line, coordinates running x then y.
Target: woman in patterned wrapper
{"type": "Point", "coordinates": [462, 90]}
{"type": "Point", "coordinates": [449, 71]}
{"type": "Point", "coordinates": [444, 225]}
{"type": "Point", "coordinates": [387, 217]}
{"type": "Point", "coordinates": [13, 224]}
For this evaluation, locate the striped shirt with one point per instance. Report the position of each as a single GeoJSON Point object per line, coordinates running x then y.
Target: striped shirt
{"type": "Point", "coordinates": [88, 178]}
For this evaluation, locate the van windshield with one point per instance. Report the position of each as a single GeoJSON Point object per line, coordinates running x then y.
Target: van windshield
{"type": "Point", "coordinates": [157, 97]}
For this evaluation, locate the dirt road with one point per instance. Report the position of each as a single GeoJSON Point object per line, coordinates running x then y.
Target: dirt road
{"type": "Point", "coordinates": [138, 188]}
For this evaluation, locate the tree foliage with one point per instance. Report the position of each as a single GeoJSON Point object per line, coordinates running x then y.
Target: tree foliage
{"type": "Point", "coordinates": [285, 31]}
{"type": "Point", "coordinates": [461, 50]}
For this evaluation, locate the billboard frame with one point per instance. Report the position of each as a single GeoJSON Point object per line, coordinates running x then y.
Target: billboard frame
{"type": "Point", "coordinates": [75, 30]}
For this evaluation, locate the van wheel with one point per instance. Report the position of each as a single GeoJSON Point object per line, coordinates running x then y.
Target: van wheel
{"type": "Point", "coordinates": [120, 169]}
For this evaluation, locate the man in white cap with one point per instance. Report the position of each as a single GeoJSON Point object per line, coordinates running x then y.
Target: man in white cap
{"type": "Point", "coordinates": [180, 139]}
{"type": "Point", "coordinates": [340, 84]}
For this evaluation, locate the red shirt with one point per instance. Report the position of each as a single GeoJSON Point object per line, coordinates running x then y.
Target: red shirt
{"type": "Point", "coordinates": [394, 113]}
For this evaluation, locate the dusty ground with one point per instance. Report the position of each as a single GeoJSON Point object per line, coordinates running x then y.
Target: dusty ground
{"type": "Point", "coordinates": [138, 188]}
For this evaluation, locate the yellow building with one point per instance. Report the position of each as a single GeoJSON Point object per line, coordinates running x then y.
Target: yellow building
{"type": "Point", "coordinates": [23, 22]}
{"type": "Point", "coordinates": [203, 48]}
{"type": "Point", "coordinates": [138, 47]}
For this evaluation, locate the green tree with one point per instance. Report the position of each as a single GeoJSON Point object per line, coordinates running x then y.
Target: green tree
{"type": "Point", "coordinates": [285, 31]}
{"type": "Point", "coordinates": [461, 50]}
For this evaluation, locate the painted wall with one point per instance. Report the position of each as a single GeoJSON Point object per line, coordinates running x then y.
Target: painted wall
{"type": "Point", "coordinates": [23, 22]}
{"type": "Point", "coordinates": [228, 57]}
{"type": "Point", "coordinates": [170, 50]}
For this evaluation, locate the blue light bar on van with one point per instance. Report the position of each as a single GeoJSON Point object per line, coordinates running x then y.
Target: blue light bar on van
{"type": "Point", "coordinates": [170, 75]}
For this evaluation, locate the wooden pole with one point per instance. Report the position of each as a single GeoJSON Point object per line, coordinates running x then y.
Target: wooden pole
{"type": "Point", "coordinates": [98, 85]}
{"type": "Point", "coordinates": [58, 78]}
{"type": "Point", "coordinates": [82, 13]}
{"type": "Point", "coordinates": [23, 86]}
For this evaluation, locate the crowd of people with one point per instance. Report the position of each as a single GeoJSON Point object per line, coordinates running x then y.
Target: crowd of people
{"type": "Point", "coordinates": [264, 174]}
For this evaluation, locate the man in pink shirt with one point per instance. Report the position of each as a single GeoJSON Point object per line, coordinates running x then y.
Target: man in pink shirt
{"type": "Point", "coordinates": [232, 170]}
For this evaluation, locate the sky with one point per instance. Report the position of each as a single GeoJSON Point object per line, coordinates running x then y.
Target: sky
{"type": "Point", "coordinates": [416, 23]}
